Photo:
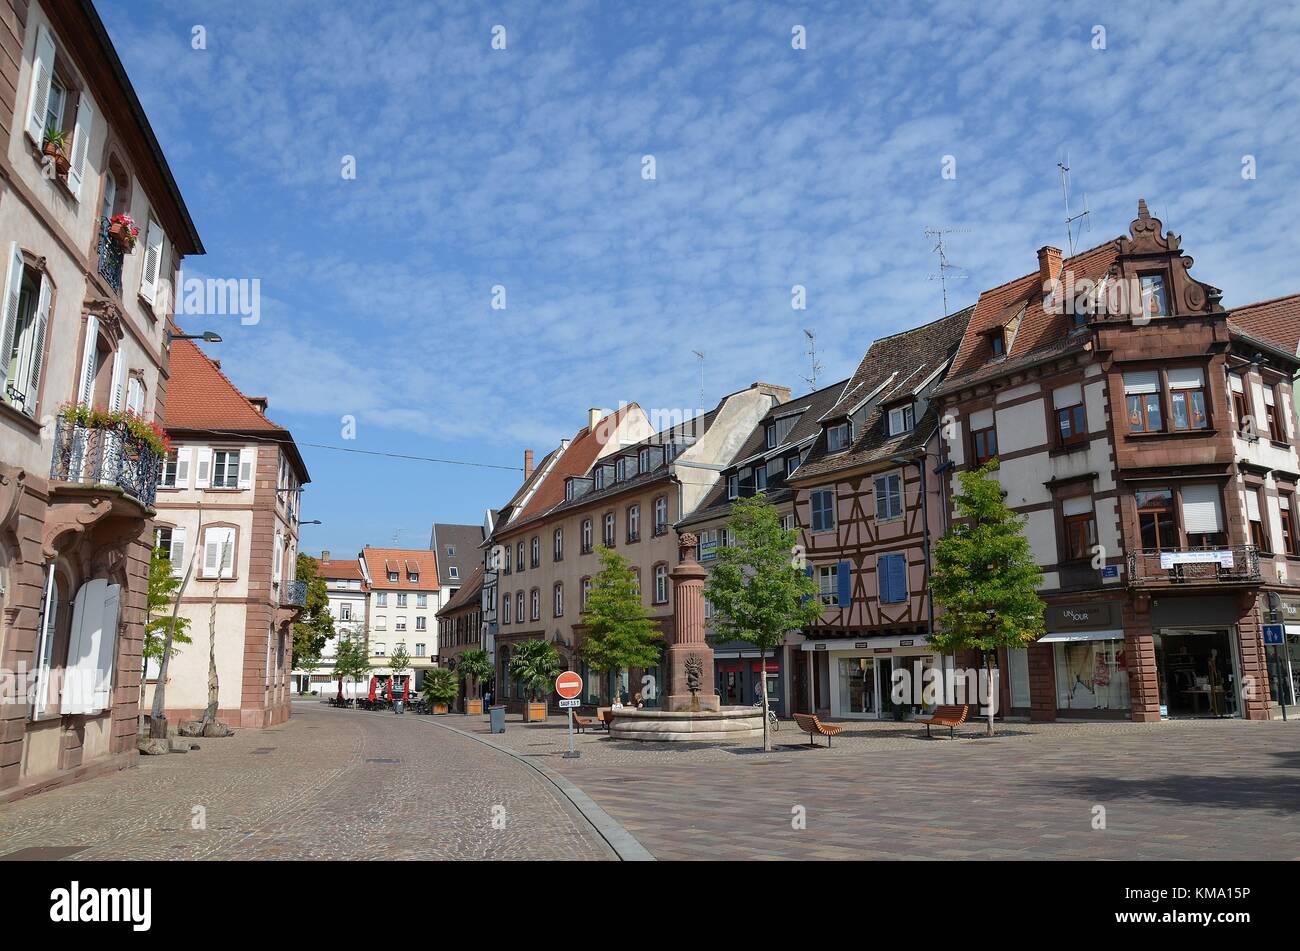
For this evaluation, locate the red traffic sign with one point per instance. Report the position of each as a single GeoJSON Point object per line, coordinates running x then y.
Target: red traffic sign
{"type": "Point", "coordinates": [568, 685]}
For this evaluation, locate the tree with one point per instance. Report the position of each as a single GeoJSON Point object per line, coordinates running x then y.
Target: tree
{"type": "Point", "coordinates": [620, 634]}
{"type": "Point", "coordinates": [399, 664]}
{"type": "Point", "coordinates": [476, 665]}
{"type": "Point", "coordinates": [350, 657]}
{"type": "Point", "coordinates": [311, 634]}
{"type": "Point", "coordinates": [985, 577]}
{"type": "Point", "coordinates": [208, 724]}
{"type": "Point", "coordinates": [439, 686]}
{"type": "Point", "coordinates": [758, 586]}
{"type": "Point", "coordinates": [163, 588]}
{"type": "Point", "coordinates": [535, 664]}
{"type": "Point", "coordinates": [157, 717]}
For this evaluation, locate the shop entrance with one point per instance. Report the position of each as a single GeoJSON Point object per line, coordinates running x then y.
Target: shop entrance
{"type": "Point", "coordinates": [1197, 670]}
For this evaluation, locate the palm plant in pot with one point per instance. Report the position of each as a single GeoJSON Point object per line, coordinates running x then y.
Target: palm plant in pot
{"type": "Point", "coordinates": [55, 146]}
{"type": "Point", "coordinates": [439, 688]}
{"type": "Point", "coordinates": [535, 665]}
{"type": "Point", "coordinates": [475, 665]}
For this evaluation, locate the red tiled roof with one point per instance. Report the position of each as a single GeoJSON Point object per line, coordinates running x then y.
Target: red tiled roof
{"type": "Point", "coordinates": [425, 561]}
{"type": "Point", "coordinates": [199, 396]}
{"type": "Point", "coordinates": [339, 569]}
{"type": "Point", "coordinates": [1275, 321]}
{"type": "Point", "coordinates": [582, 452]}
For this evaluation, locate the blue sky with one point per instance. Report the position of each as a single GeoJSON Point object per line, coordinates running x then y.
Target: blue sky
{"type": "Point", "coordinates": [522, 167]}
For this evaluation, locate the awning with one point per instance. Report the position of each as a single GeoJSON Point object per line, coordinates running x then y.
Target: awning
{"type": "Point", "coordinates": [1293, 630]}
{"type": "Point", "coordinates": [1080, 636]}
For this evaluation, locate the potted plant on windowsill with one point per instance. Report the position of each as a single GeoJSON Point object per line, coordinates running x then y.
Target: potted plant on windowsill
{"type": "Point", "coordinates": [123, 231]}
{"type": "Point", "coordinates": [56, 147]}
{"type": "Point", "coordinates": [439, 689]}
{"type": "Point", "coordinates": [535, 664]}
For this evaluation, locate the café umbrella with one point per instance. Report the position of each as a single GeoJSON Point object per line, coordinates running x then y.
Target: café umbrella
{"type": "Point", "coordinates": [374, 684]}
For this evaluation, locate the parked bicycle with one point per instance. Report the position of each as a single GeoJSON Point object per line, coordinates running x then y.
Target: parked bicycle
{"type": "Point", "coordinates": [772, 720]}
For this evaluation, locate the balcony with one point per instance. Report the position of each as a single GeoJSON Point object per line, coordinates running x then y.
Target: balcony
{"type": "Point", "coordinates": [108, 455]}
{"type": "Point", "coordinates": [293, 594]}
{"type": "Point", "coordinates": [111, 256]}
{"type": "Point", "coordinates": [1194, 567]}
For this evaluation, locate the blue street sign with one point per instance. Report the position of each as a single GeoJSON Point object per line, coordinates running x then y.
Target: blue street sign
{"type": "Point", "coordinates": [1274, 634]}
{"type": "Point", "coordinates": [1110, 571]}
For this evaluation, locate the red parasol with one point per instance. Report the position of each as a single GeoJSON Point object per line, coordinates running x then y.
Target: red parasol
{"type": "Point", "coordinates": [374, 683]}
{"type": "Point", "coordinates": [406, 691]}
{"type": "Point", "coordinates": [340, 688]}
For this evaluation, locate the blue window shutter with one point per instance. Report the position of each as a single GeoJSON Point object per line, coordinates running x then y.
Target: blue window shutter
{"type": "Point", "coordinates": [845, 581]}
{"type": "Point", "coordinates": [893, 578]}
{"type": "Point", "coordinates": [808, 572]}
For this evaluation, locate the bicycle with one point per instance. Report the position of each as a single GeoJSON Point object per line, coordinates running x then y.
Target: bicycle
{"type": "Point", "coordinates": [772, 720]}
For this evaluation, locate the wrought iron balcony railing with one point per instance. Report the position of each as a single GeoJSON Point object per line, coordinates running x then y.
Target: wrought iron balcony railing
{"type": "Point", "coordinates": [1228, 564]}
{"type": "Point", "coordinates": [105, 456]}
{"type": "Point", "coordinates": [293, 594]}
{"type": "Point", "coordinates": [111, 257]}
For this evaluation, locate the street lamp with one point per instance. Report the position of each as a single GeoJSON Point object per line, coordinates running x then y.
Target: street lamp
{"type": "Point", "coordinates": [207, 336]}
{"type": "Point", "coordinates": [314, 521]}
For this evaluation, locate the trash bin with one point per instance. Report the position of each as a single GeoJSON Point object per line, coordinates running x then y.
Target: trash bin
{"type": "Point", "coordinates": [397, 706]}
{"type": "Point", "coordinates": [498, 715]}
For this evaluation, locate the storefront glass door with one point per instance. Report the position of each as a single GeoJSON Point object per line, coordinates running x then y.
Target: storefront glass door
{"type": "Point", "coordinates": [857, 686]}
{"type": "Point", "coordinates": [1198, 673]}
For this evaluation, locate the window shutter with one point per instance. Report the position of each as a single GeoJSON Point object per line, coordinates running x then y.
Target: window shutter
{"type": "Point", "coordinates": [38, 99]}
{"type": "Point", "coordinates": [1145, 381]}
{"type": "Point", "coordinates": [1268, 396]}
{"type": "Point", "coordinates": [211, 552]}
{"type": "Point", "coordinates": [1069, 395]}
{"type": "Point", "coordinates": [183, 467]}
{"type": "Point", "coordinates": [275, 559]}
{"type": "Point", "coordinates": [1252, 505]}
{"type": "Point", "coordinates": [227, 553]}
{"type": "Point", "coordinates": [88, 356]}
{"type": "Point", "coordinates": [1186, 378]}
{"type": "Point", "coordinates": [844, 580]}
{"type": "Point", "coordinates": [135, 396]}
{"type": "Point", "coordinates": [1238, 385]}
{"type": "Point", "coordinates": [38, 349]}
{"type": "Point", "coordinates": [246, 468]}
{"type": "Point", "coordinates": [80, 143]}
{"type": "Point", "coordinates": [1202, 511]}
{"type": "Point", "coordinates": [1079, 505]}
{"type": "Point", "coordinates": [83, 647]}
{"type": "Point", "coordinates": [808, 573]}
{"type": "Point", "coordinates": [103, 674]}
{"type": "Point", "coordinates": [152, 259]}
{"type": "Point", "coordinates": [202, 467]}
{"type": "Point", "coordinates": [115, 390]}
{"type": "Point", "coordinates": [177, 554]}
{"type": "Point", "coordinates": [13, 293]}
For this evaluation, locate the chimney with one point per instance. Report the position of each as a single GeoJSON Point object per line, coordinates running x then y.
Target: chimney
{"type": "Point", "coordinates": [528, 463]}
{"type": "Point", "coordinates": [593, 417]}
{"type": "Point", "coordinates": [259, 403]}
{"type": "Point", "coordinates": [1049, 263]}
{"type": "Point", "coordinates": [325, 556]}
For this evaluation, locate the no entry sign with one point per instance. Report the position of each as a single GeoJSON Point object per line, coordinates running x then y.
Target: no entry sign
{"type": "Point", "coordinates": [568, 685]}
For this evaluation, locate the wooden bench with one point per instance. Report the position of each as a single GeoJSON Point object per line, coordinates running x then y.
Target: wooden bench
{"type": "Point", "coordinates": [809, 723]}
{"type": "Point", "coordinates": [580, 723]}
{"type": "Point", "coordinates": [951, 716]}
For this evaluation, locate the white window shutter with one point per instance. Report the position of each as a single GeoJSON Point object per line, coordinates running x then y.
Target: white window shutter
{"type": "Point", "coordinates": [275, 559]}
{"type": "Point", "coordinates": [89, 353]}
{"type": "Point", "coordinates": [227, 553]}
{"type": "Point", "coordinates": [83, 647]}
{"type": "Point", "coordinates": [183, 467]}
{"type": "Point", "coordinates": [115, 390]}
{"type": "Point", "coordinates": [38, 98]}
{"type": "Point", "coordinates": [246, 468]}
{"type": "Point", "coordinates": [80, 143]}
{"type": "Point", "coordinates": [38, 348]}
{"type": "Point", "coordinates": [202, 467]}
{"type": "Point", "coordinates": [177, 554]}
{"type": "Point", "coordinates": [102, 698]}
{"type": "Point", "coordinates": [211, 552]}
{"type": "Point", "coordinates": [1202, 511]}
{"type": "Point", "coordinates": [1252, 505]}
{"type": "Point", "coordinates": [152, 260]}
{"type": "Point", "coordinates": [9, 319]}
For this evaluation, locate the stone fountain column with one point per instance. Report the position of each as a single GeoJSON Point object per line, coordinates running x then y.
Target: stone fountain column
{"type": "Point", "coordinates": [688, 653]}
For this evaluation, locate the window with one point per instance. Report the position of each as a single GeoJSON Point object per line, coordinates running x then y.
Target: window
{"type": "Point", "coordinates": [519, 608]}
{"type": "Point", "coordinates": [400, 623]}
{"type": "Point", "coordinates": [633, 523]}
{"type": "Point", "coordinates": [1155, 508]}
{"type": "Point", "coordinates": [1071, 418]}
{"type": "Point", "coordinates": [828, 585]}
{"type": "Point", "coordinates": [586, 536]}
{"type": "Point", "coordinates": [380, 647]}
{"type": "Point", "coordinates": [1254, 515]}
{"type": "Point", "coordinates": [791, 463]}
{"type": "Point", "coordinates": [1153, 295]}
{"type": "Point", "coordinates": [837, 437]}
{"type": "Point", "coordinates": [787, 523]}
{"type": "Point", "coordinates": [661, 584]}
{"type": "Point", "coordinates": [519, 559]}
{"type": "Point", "coordinates": [586, 592]}
{"type": "Point", "coordinates": [998, 342]}
{"type": "Point", "coordinates": [1240, 404]}
{"type": "Point", "coordinates": [901, 419]}
{"type": "Point", "coordinates": [413, 576]}
{"type": "Point", "coordinates": [778, 429]}
{"type": "Point", "coordinates": [608, 536]}
{"type": "Point", "coordinates": [643, 460]}
{"type": "Point", "coordinates": [636, 581]}
{"type": "Point", "coordinates": [984, 444]}
{"type": "Point", "coordinates": [535, 604]}
{"type": "Point", "coordinates": [168, 474]}
{"type": "Point", "coordinates": [345, 611]}
{"type": "Point", "coordinates": [219, 548]}
{"type": "Point", "coordinates": [733, 486]}
{"type": "Point", "coordinates": [1080, 528]}
{"type": "Point", "coordinates": [535, 552]}
{"type": "Point", "coordinates": [557, 545]}
{"type": "Point", "coordinates": [1203, 516]}
{"type": "Point", "coordinates": [620, 469]}
{"type": "Point", "coordinates": [225, 469]}
{"type": "Point", "coordinates": [505, 549]}
{"type": "Point", "coordinates": [708, 545]}
{"type": "Point", "coordinates": [557, 598]}
{"type": "Point", "coordinates": [822, 502]}
{"type": "Point", "coordinates": [661, 515]}
{"type": "Point", "coordinates": [421, 600]}
{"type": "Point", "coordinates": [401, 599]}
{"type": "Point", "coordinates": [891, 575]}
{"type": "Point", "coordinates": [1142, 393]}
{"type": "Point", "coordinates": [451, 551]}
{"type": "Point", "coordinates": [505, 609]}
{"type": "Point", "coordinates": [381, 599]}
{"type": "Point", "coordinates": [889, 496]}
{"type": "Point", "coordinates": [393, 577]}
{"type": "Point", "coordinates": [1187, 397]}
{"type": "Point", "coordinates": [420, 649]}
{"type": "Point", "coordinates": [1276, 424]}
{"type": "Point", "coordinates": [1285, 508]}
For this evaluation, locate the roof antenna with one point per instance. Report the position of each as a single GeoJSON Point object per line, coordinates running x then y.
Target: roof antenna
{"type": "Point", "coordinates": [815, 367]}
{"type": "Point", "coordinates": [397, 532]}
{"type": "Point", "coordinates": [701, 356]}
{"type": "Point", "coordinates": [943, 277]}
{"type": "Point", "coordinates": [1071, 219]}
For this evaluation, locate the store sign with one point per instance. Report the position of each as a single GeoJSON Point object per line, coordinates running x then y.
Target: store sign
{"type": "Point", "coordinates": [1082, 617]}
{"type": "Point", "coordinates": [907, 643]}
{"type": "Point", "coordinates": [860, 645]}
{"type": "Point", "coordinates": [1290, 610]}
{"type": "Point", "coordinates": [1169, 559]}
{"type": "Point", "coordinates": [882, 650]}
{"type": "Point", "coordinates": [819, 647]}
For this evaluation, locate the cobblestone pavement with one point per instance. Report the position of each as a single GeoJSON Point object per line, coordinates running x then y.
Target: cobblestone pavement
{"type": "Point", "coordinates": [1224, 789]}
{"type": "Point", "coordinates": [329, 784]}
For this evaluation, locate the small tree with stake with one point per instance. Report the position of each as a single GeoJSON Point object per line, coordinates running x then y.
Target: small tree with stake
{"type": "Point", "coordinates": [758, 587]}
{"type": "Point", "coordinates": [985, 577]}
{"type": "Point", "coordinates": [399, 664]}
{"type": "Point", "coordinates": [620, 635]}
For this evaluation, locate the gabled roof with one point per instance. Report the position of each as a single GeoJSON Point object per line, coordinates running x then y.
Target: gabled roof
{"type": "Point", "coordinates": [467, 596]}
{"type": "Point", "coordinates": [379, 561]}
{"type": "Point", "coordinates": [1275, 321]}
{"type": "Point", "coordinates": [894, 368]}
{"type": "Point", "coordinates": [336, 569]}
{"type": "Point", "coordinates": [465, 541]}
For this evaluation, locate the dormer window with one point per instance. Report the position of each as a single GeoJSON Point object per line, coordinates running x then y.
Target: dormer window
{"type": "Point", "coordinates": [600, 478]}
{"type": "Point", "coordinates": [1152, 287]}
{"type": "Point", "coordinates": [998, 342]}
{"type": "Point", "coordinates": [643, 460]}
{"type": "Point", "coordinates": [733, 486]}
{"type": "Point", "coordinates": [901, 419]}
{"type": "Point", "coordinates": [393, 576]}
{"type": "Point", "coordinates": [838, 437]}
{"type": "Point", "coordinates": [620, 469]}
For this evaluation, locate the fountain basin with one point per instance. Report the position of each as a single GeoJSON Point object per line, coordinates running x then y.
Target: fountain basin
{"type": "Point", "coordinates": [728, 723]}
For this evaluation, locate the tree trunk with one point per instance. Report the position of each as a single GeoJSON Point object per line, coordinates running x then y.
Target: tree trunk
{"type": "Point", "coordinates": [210, 711]}
{"type": "Point", "coordinates": [992, 689]}
{"type": "Point", "coordinates": [157, 721]}
{"type": "Point", "coordinates": [762, 676]}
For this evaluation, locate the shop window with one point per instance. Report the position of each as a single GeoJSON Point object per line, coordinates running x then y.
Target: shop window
{"type": "Point", "coordinates": [1155, 508]}
{"type": "Point", "coordinates": [1091, 675]}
